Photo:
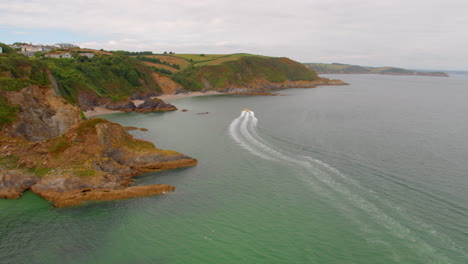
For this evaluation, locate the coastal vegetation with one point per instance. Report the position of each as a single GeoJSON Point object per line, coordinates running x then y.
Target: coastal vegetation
{"type": "Point", "coordinates": [115, 76]}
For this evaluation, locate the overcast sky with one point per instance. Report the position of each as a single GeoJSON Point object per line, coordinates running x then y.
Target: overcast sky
{"type": "Point", "coordinates": [426, 34]}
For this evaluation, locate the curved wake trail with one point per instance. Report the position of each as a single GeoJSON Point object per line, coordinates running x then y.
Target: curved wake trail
{"type": "Point", "coordinates": [320, 174]}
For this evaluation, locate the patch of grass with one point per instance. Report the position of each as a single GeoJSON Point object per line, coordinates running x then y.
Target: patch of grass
{"type": "Point", "coordinates": [9, 161]}
{"type": "Point", "coordinates": [84, 172]}
{"type": "Point", "coordinates": [198, 57]}
{"type": "Point", "coordinates": [83, 115]}
{"type": "Point", "coordinates": [60, 146]}
{"type": "Point", "coordinates": [13, 84]}
{"type": "Point", "coordinates": [90, 123]}
{"type": "Point", "coordinates": [138, 144]}
{"type": "Point", "coordinates": [8, 112]}
{"type": "Point", "coordinates": [39, 171]}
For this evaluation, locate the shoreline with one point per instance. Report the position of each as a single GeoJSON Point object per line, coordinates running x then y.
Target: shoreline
{"type": "Point", "coordinates": [165, 97]}
{"type": "Point", "coordinates": [172, 97]}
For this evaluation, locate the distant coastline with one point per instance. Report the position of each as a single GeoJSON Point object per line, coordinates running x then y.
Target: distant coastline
{"type": "Point", "coordinates": [338, 68]}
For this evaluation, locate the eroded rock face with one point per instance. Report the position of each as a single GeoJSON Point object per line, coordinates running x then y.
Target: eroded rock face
{"type": "Point", "coordinates": [93, 160]}
{"type": "Point", "coordinates": [14, 182]}
{"type": "Point", "coordinates": [42, 115]}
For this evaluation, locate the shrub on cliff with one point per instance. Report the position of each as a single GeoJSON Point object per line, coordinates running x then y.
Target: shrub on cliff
{"type": "Point", "coordinates": [107, 76]}
{"type": "Point", "coordinates": [8, 113]}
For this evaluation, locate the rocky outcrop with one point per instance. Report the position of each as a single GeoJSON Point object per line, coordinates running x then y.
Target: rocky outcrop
{"type": "Point", "coordinates": [73, 198]}
{"type": "Point", "coordinates": [14, 182]}
{"type": "Point", "coordinates": [154, 105]}
{"type": "Point", "coordinates": [124, 105]}
{"type": "Point", "coordinates": [42, 115]}
{"type": "Point", "coordinates": [93, 160]}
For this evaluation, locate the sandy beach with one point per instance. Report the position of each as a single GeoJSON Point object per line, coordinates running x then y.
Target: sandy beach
{"type": "Point", "coordinates": [99, 111]}
{"type": "Point", "coordinates": [165, 97]}
{"type": "Point", "coordinates": [172, 97]}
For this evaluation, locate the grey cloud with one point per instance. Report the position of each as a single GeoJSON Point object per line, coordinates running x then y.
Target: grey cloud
{"type": "Point", "coordinates": [353, 31]}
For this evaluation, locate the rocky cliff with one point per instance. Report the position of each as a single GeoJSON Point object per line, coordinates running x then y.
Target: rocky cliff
{"type": "Point", "coordinates": [41, 115]}
{"type": "Point", "coordinates": [93, 160]}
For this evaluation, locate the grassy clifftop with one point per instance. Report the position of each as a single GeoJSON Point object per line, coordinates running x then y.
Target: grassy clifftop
{"type": "Point", "coordinates": [242, 72]}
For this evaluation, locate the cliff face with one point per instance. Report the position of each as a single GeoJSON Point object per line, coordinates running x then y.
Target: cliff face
{"type": "Point", "coordinates": [41, 115]}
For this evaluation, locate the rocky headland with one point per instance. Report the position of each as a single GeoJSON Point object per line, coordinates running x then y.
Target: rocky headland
{"type": "Point", "coordinates": [93, 160]}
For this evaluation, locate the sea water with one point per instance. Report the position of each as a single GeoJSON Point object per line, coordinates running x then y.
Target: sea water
{"type": "Point", "coordinates": [372, 172]}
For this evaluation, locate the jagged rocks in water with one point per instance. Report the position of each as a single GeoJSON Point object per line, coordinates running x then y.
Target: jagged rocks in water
{"type": "Point", "coordinates": [155, 105]}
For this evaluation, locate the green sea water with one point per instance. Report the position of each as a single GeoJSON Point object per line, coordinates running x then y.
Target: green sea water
{"type": "Point", "coordinates": [373, 172]}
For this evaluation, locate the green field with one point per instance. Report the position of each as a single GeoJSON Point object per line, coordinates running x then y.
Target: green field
{"type": "Point", "coordinates": [198, 57]}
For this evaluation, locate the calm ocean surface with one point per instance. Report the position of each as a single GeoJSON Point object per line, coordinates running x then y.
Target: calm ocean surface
{"type": "Point", "coordinates": [373, 172]}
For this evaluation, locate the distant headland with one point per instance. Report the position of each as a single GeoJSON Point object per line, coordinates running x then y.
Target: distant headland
{"type": "Point", "coordinates": [338, 68]}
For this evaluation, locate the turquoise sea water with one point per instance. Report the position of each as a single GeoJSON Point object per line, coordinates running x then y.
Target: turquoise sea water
{"type": "Point", "coordinates": [373, 172]}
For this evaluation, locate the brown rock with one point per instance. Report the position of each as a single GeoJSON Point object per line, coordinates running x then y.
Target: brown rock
{"type": "Point", "coordinates": [94, 156]}
{"type": "Point", "coordinates": [42, 115]}
{"type": "Point", "coordinates": [123, 105]}
{"type": "Point", "coordinates": [76, 197]}
{"type": "Point", "coordinates": [155, 105]}
{"type": "Point", "coordinates": [14, 182]}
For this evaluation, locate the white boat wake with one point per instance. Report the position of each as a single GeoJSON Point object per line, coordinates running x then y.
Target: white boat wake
{"type": "Point", "coordinates": [332, 183]}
